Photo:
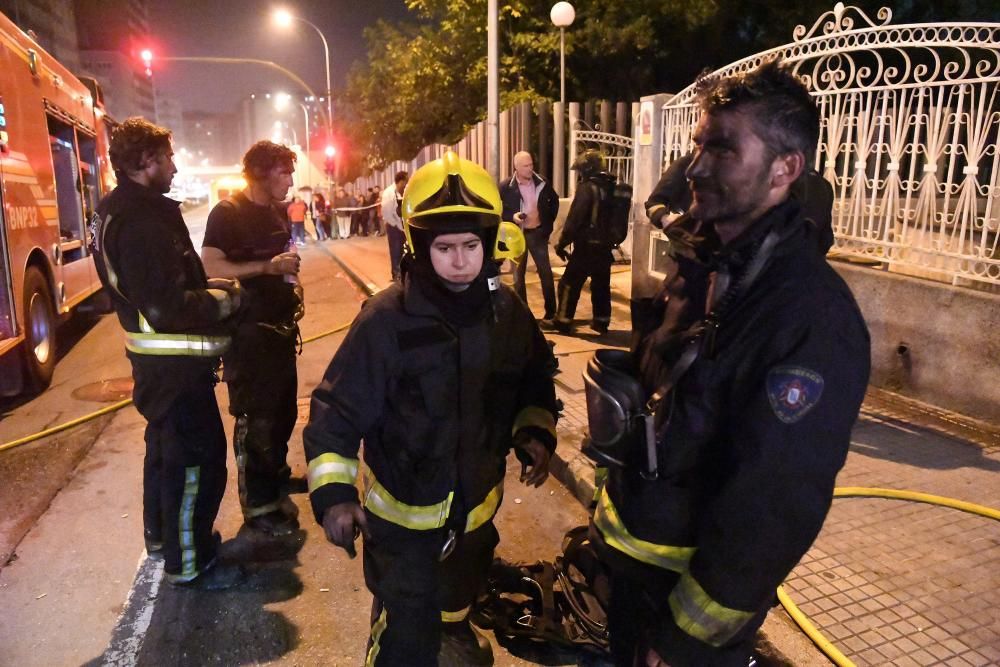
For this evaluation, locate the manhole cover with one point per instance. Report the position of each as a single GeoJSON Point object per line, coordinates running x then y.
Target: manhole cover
{"type": "Point", "coordinates": [105, 391]}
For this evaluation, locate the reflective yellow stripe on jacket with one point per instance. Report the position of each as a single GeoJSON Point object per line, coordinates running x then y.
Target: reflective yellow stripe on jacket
{"type": "Point", "coordinates": [331, 468]}
{"type": "Point", "coordinates": [485, 510]}
{"type": "Point", "coordinates": [380, 502]}
{"type": "Point", "coordinates": [189, 345]}
{"type": "Point", "coordinates": [697, 614]}
{"type": "Point", "coordinates": [617, 536]}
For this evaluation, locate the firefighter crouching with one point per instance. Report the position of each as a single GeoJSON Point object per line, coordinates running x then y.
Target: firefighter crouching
{"type": "Point", "coordinates": [441, 375]}
{"type": "Point", "coordinates": [175, 322]}
{"type": "Point", "coordinates": [756, 368]}
{"type": "Point", "coordinates": [246, 238]}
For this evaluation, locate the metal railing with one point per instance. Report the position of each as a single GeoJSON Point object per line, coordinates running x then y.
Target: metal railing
{"type": "Point", "coordinates": [616, 148]}
{"type": "Point", "coordinates": [909, 135]}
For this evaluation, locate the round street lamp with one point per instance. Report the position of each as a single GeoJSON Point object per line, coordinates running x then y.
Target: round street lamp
{"type": "Point", "coordinates": [562, 16]}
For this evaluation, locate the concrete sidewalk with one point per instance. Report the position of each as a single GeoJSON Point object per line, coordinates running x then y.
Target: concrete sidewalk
{"type": "Point", "coordinates": [887, 581]}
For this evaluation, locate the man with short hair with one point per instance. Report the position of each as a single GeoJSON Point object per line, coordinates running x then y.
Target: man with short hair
{"type": "Point", "coordinates": [176, 323]}
{"type": "Point", "coordinates": [392, 198]}
{"type": "Point", "coordinates": [246, 238]}
{"type": "Point", "coordinates": [531, 202]}
{"type": "Point", "coordinates": [756, 368]}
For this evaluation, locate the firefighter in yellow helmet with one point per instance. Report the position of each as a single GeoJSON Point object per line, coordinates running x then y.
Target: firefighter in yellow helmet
{"type": "Point", "coordinates": [442, 375]}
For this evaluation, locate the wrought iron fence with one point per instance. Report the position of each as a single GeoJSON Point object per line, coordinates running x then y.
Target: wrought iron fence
{"type": "Point", "coordinates": [617, 151]}
{"type": "Point", "coordinates": [910, 124]}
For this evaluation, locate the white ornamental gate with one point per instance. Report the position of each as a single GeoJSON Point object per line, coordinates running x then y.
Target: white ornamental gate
{"type": "Point", "coordinates": [910, 122]}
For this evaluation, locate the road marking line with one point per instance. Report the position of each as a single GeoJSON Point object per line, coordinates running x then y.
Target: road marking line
{"type": "Point", "coordinates": [133, 623]}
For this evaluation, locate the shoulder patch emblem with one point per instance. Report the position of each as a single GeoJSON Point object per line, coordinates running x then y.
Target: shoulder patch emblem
{"type": "Point", "coordinates": [793, 391]}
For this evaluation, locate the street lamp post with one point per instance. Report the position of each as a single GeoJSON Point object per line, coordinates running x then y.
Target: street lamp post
{"type": "Point", "coordinates": [562, 16]}
{"type": "Point", "coordinates": [280, 101]}
{"type": "Point", "coordinates": [493, 89]}
{"type": "Point", "coordinates": [284, 18]}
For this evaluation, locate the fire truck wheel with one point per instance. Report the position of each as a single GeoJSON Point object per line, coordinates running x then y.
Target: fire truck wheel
{"type": "Point", "coordinates": [39, 331]}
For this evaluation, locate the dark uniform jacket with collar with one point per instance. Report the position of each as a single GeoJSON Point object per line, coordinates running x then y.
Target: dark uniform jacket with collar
{"type": "Point", "coordinates": [750, 440]}
{"type": "Point", "coordinates": [174, 325]}
{"type": "Point", "coordinates": [548, 201]}
{"type": "Point", "coordinates": [436, 405]}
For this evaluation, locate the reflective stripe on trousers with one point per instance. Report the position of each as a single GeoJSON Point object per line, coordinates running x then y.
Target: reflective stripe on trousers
{"type": "Point", "coordinates": [185, 525]}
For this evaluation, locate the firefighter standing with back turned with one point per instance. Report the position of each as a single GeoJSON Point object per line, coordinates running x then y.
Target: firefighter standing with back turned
{"type": "Point", "coordinates": [757, 366]}
{"type": "Point", "coordinates": [588, 228]}
{"type": "Point", "coordinates": [246, 237]}
{"type": "Point", "coordinates": [175, 329]}
{"type": "Point", "coordinates": [441, 375]}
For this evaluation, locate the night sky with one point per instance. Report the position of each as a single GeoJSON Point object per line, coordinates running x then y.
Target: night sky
{"type": "Point", "coordinates": [244, 28]}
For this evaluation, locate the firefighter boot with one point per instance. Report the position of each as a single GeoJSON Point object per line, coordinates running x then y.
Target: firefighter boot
{"type": "Point", "coordinates": [464, 646]}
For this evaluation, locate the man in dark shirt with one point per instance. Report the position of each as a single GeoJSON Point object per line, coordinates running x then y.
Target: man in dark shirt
{"type": "Point", "coordinates": [246, 238]}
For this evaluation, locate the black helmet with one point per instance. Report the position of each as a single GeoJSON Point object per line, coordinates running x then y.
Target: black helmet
{"type": "Point", "coordinates": [590, 162]}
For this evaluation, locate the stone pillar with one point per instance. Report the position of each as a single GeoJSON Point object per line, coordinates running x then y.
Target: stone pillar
{"type": "Point", "coordinates": [605, 116]}
{"type": "Point", "coordinates": [543, 143]}
{"type": "Point", "coordinates": [621, 119]}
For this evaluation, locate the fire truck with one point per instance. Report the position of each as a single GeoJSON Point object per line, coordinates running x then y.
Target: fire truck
{"type": "Point", "coordinates": [54, 168]}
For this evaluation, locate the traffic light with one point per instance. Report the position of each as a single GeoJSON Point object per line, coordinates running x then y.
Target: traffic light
{"type": "Point", "coordinates": [331, 153]}
{"type": "Point", "coordinates": [147, 60]}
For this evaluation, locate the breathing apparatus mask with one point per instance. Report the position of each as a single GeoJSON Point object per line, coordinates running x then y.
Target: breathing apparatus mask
{"type": "Point", "coordinates": [619, 417]}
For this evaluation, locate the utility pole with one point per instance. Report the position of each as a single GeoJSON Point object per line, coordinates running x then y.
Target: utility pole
{"type": "Point", "coordinates": [493, 91]}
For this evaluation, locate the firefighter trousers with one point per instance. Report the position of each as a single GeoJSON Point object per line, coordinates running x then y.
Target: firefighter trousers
{"type": "Point", "coordinates": [587, 261]}
{"type": "Point", "coordinates": [184, 477]}
{"type": "Point", "coordinates": [263, 383]}
{"type": "Point", "coordinates": [416, 593]}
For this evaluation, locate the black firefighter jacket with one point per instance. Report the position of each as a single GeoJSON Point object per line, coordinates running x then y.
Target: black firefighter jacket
{"type": "Point", "coordinates": [437, 407]}
{"type": "Point", "coordinates": [750, 440]}
{"type": "Point", "coordinates": [174, 325]}
{"type": "Point", "coordinates": [586, 222]}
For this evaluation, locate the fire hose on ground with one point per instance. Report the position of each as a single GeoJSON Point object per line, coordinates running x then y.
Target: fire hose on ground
{"type": "Point", "coordinates": [821, 642]}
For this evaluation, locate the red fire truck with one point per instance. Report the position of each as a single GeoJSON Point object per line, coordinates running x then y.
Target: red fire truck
{"type": "Point", "coordinates": [53, 170]}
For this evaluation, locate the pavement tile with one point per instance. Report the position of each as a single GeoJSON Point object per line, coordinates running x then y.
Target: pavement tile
{"type": "Point", "coordinates": [923, 657]}
{"type": "Point", "coordinates": [887, 652]}
{"type": "Point", "coordinates": [870, 656]}
{"type": "Point", "coordinates": [991, 652]}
